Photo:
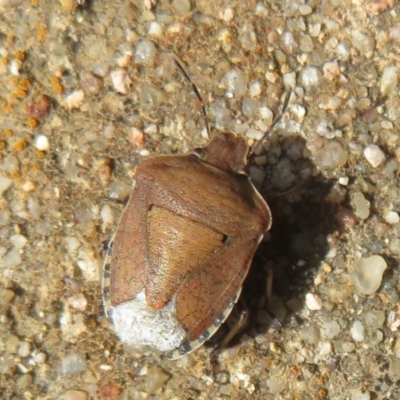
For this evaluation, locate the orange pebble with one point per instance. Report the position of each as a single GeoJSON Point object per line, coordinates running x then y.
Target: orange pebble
{"type": "Point", "coordinates": [8, 108]}
{"type": "Point", "coordinates": [19, 145]}
{"type": "Point", "coordinates": [20, 93]}
{"type": "Point", "coordinates": [24, 84]}
{"type": "Point", "coordinates": [32, 122]}
{"type": "Point", "coordinates": [20, 55]}
{"type": "Point", "coordinates": [58, 88]}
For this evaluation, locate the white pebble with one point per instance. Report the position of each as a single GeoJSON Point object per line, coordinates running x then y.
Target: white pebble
{"type": "Point", "coordinates": [358, 331]}
{"type": "Point", "coordinates": [249, 107]}
{"type": "Point", "coordinates": [41, 142]}
{"type": "Point", "coordinates": [343, 180]}
{"type": "Point", "coordinates": [28, 186]}
{"type": "Point", "coordinates": [392, 217]}
{"type": "Point", "coordinates": [310, 76]}
{"type": "Point", "coordinates": [374, 155]}
{"type": "Point", "coordinates": [367, 274]}
{"type": "Point", "coordinates": [313, 302]}
{"type": "Point", "coordinates": [305, 9]}
{"type": "Point", "coordinates": [255, 88]}
{"type": "Point", "coordinates": [298, 111]}
{"type": "Point", "coordinates": [107, 215]}
{"type": "Point", "coordinates": [72, 243]}
{"type": "Point", "coordinates": [363, 41]}
{"type": "Point", "coordinates": [234, 82]}
{"type": "Point", "coordinates": [228, 14]}
{"type": "Point", "coordinates": [78, 302]}
{"type": "Point", "coordinates": [182, 6]}
{"type": "Point", "coordinates": [358, 394]}
{"type": "Point", "coordinates": [331, 70]}
{"type": "Point", "coordinates": [155, 29]}
{"type": "Point", "coordinates": [266, 114]}
{"type": "Point", "coordinates": [145, 52]}
{"type": "Point", "coordinates": [275, 385]}
{"type": "Point", "coordinates": [12, 258]}
{"type": "Point", "coordinates": [348, 347]}
{"type": "Point", "coordinates": [325, 348]}
{"type": "Point", "coordinates": [394, 246]}
{"type": "Point", "coordinates": [73, 364]}
{"type": "Point", "coordinates": [5, 183]}
{"type": "Point", "coordinates": [254, 134]}
{"type": "Point", "coordinates": [88, 264]}
{"type": "Point", "coordinates": [74, 99]}
{"type": "Point", "coordinates": [18, 241]}
{"type": "Point", "coordinates": [361, 204]}
{"type": "Point", "coordinates": [120, 80]}
{"type": "Point", "coordinates": [389, 80]}
{"type": "Point", "coordinates": [331, 155]}
{"type": "Point", "coordinates": [261, 10]}
{"type": "Point", "coordinates": [331, 329]}
{"type": "Point", "coordinates": [34, 208]}
{"type": "Point", "coordinates": [15, 66]}
{"type": "Point", "coordinates": [24, 349]}
{"type": "Point", "coordinates": [289, 80]}
{"type": "Point", "coordinates": [40, 358]}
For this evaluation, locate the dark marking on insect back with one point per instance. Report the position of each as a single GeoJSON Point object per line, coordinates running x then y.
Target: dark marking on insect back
{"type": "Point", "coordinates": [106, 292]}
{"type": "Point", "coordinates": [184, 348]}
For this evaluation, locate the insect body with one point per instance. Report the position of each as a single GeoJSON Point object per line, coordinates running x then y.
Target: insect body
{"type": "Point", "coordinates": [176, 264]}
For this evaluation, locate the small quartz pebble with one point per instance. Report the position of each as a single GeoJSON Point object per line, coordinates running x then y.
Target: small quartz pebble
{"type": "Point", "coordinates": [389, 80]}
{"type": "Point", "coordinates": [313, 302]}
{"type": "Point", "coordinates": [74, 395]}
{"type": "Point", "coordinates": [234, 82]}
{"type": "Point", "coordinates": [374, 155]}
{"type": "Point", "coordinates": [358, 331]}
{"type": "Point", "coordinates": [331, 329]}
{"type": "Point", "coordinates": [155, 29]}
{"type": "Point", "coordinates": [156, 378]}
{"type": "Point", "coordinates": [359, 394]}
{"type": "Point", "coordinates": [145, 52]}
{"type": "Point", "coordinates": [75, 99]}
{"type": "Point", "coordinates": [78, 302]}
{"type": "Point", "coordinates": [275, 385]}
{"type": "Point", "coordinates": [5, 183]}
{"type": "Point", "coordinates": [40, 358]}
{"type": "Point", "coordinates": [310, 76]}
{"type": "Point", "coordinates": [305, 9]}
{"type": "Point", "coordinates": [363, 41]}
{"type": "Point", "coordinates": [24, 349]}
{"type": "Point", "coordinates": [19, 241]}
{"type": "Point", "coordinates": [367, 273]}
{"type": "Point", "coordinates": [120, 80]}
{"type": "Point", "coordinates": [41, 142]}
{"type": "Point", "coordinates": [392, 217]}
{"type": "Point", "coordinates": [343, 180]}
{"type": "Point", "coordinates": [361, 204]}
{"type": "Point", "coordinates": [348, 347]}
{"type": "Point", "coordinates": [73, 364]}
{"type": "Point", "coordinates": [331, 155]}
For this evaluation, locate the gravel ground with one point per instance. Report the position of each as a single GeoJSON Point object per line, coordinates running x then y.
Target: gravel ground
{"type": "Point", "coordinates": [88, 90]}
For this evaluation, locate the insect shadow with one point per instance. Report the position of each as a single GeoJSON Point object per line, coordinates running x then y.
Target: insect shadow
{"type": "Point", "coordinates": [292, 251]}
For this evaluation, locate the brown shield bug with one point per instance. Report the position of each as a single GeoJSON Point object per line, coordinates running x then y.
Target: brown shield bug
{"type": "Point", "coordinates": [175, 267]}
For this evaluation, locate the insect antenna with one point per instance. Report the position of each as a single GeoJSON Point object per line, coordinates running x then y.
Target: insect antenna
{"type": "Point", "coordinates": [274, 123]}
{"type": "Point", "coordinates": [196, 92]}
